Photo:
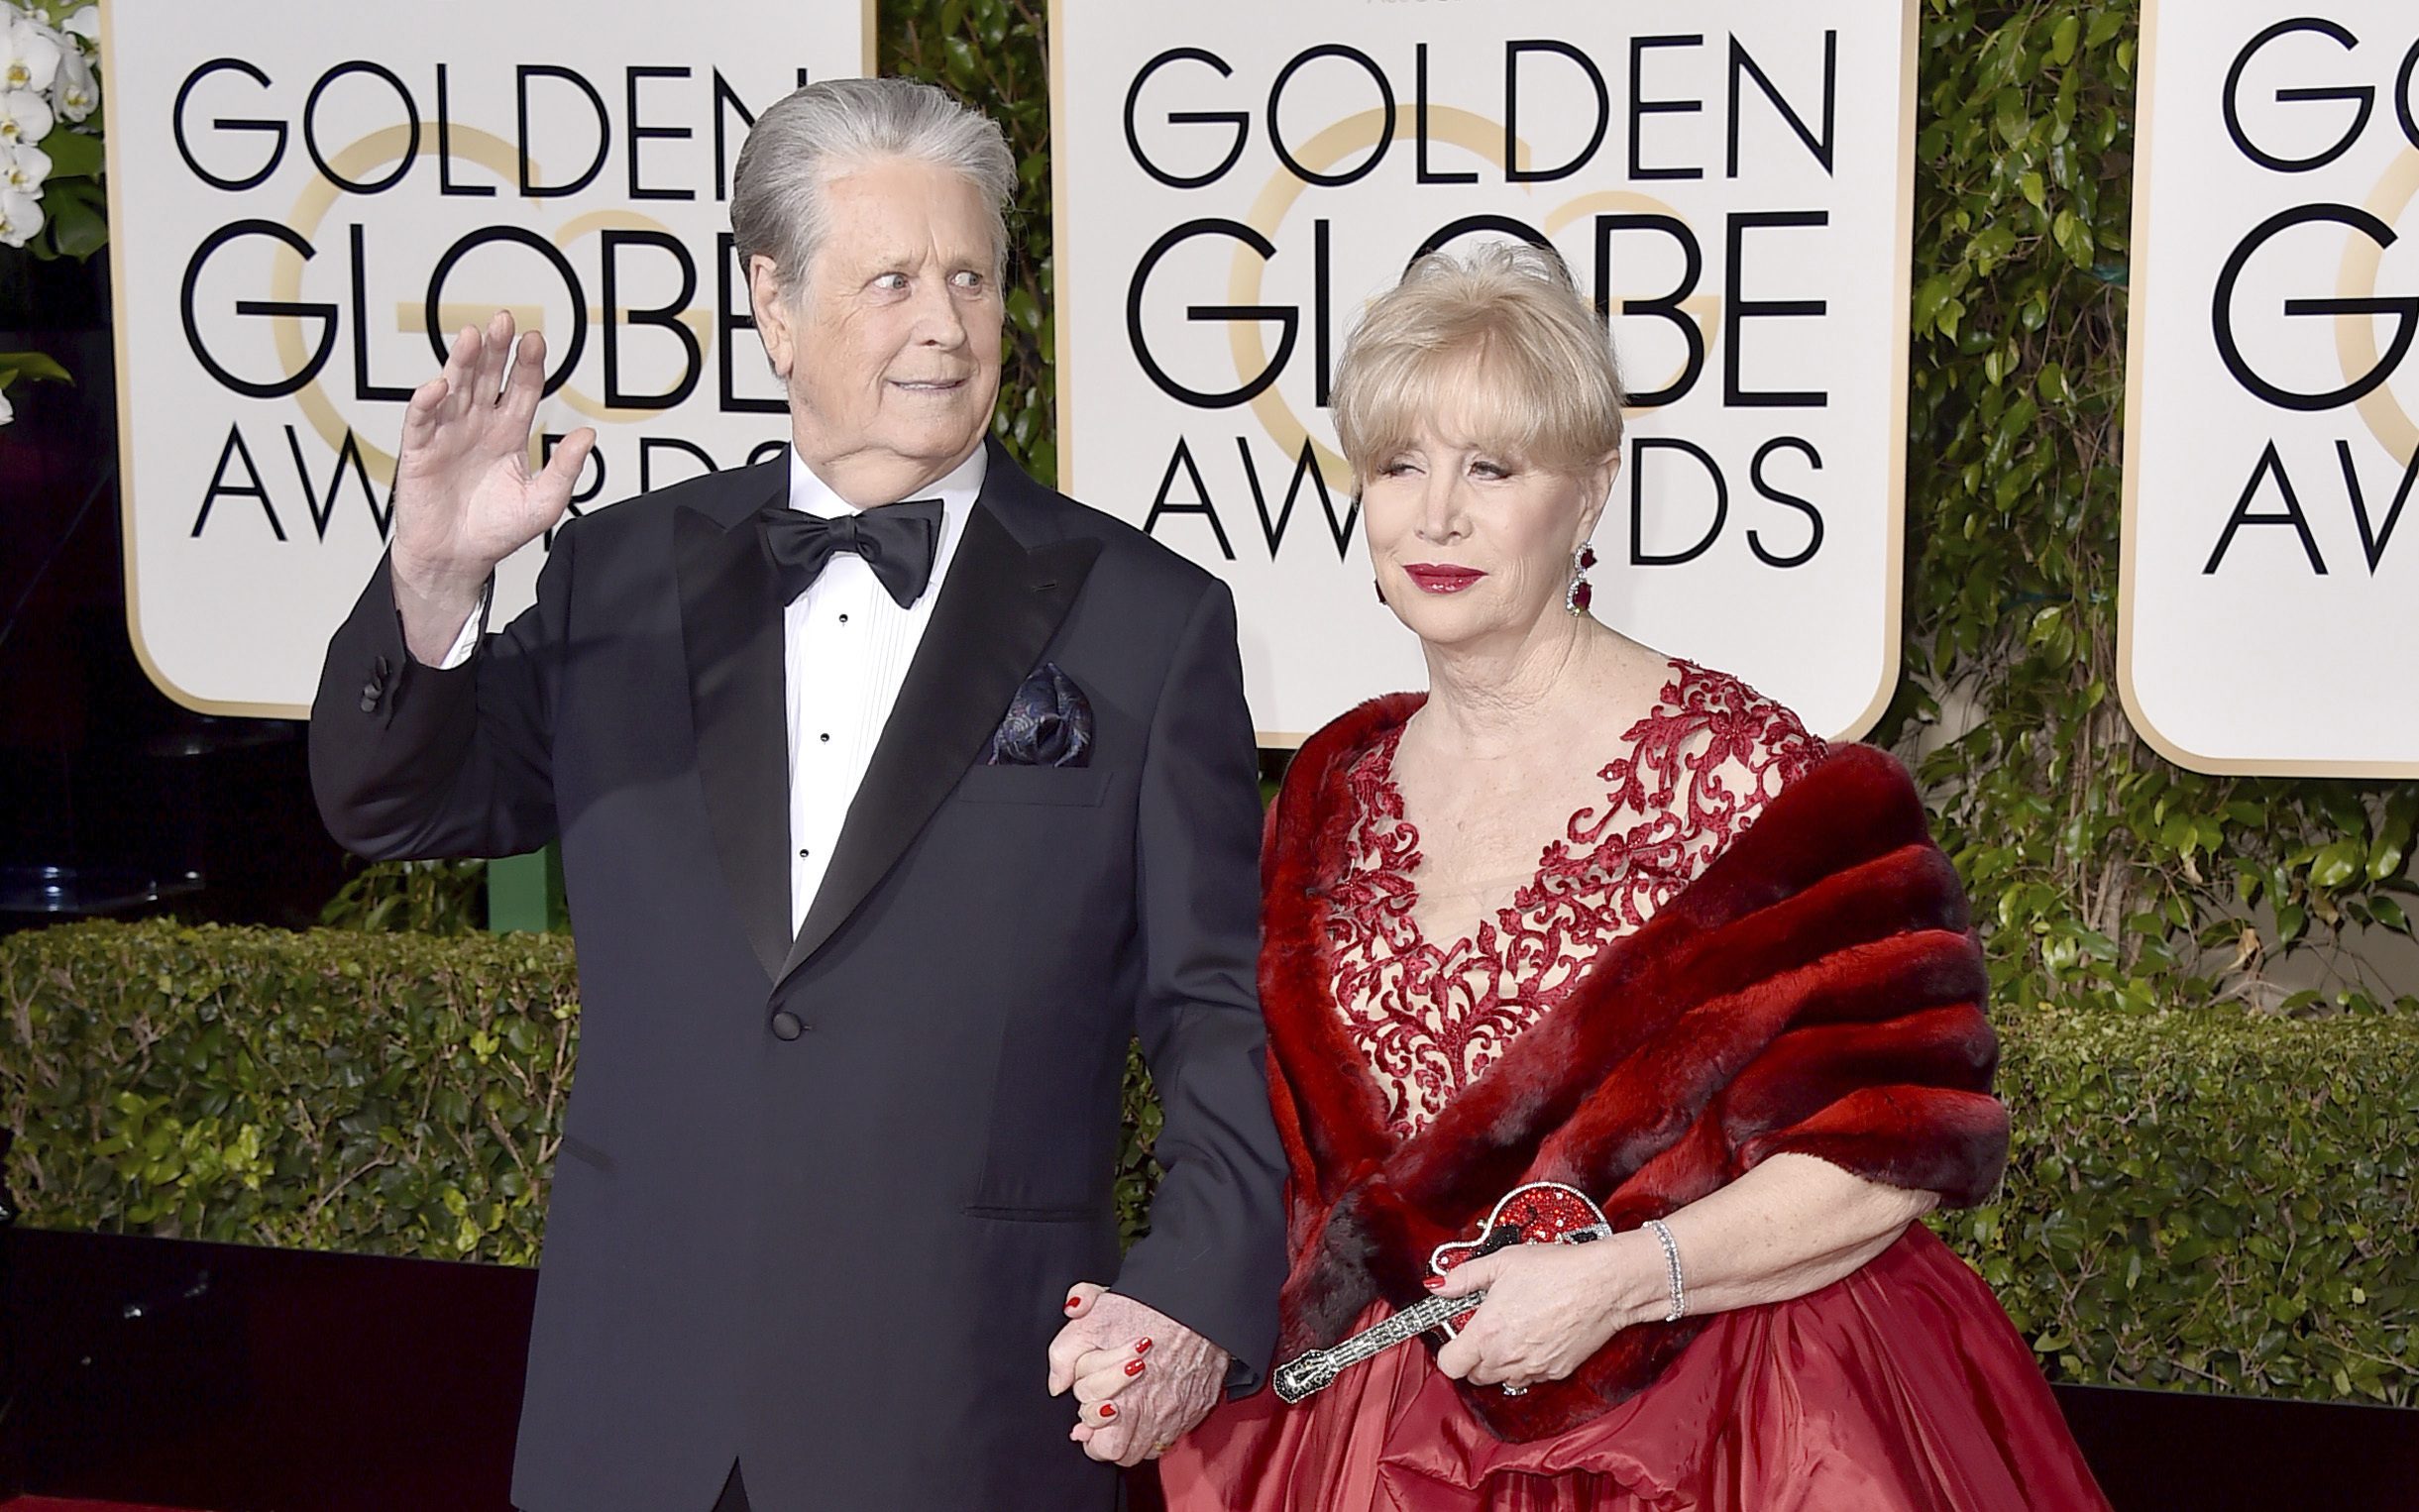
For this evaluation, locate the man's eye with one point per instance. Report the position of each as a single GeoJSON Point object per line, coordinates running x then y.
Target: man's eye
{"type": "Point", "coordinates": [967, 278]}
{"type": "Point", "coordinates": [891, 282]}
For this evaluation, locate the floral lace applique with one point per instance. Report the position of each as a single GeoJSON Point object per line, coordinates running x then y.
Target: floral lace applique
{"type": "Point", "coordinates": [1430, 1016]}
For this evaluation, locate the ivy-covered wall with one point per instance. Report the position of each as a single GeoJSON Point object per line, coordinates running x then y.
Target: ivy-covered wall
{"type": "Point", "coordinates": [2110, 880]}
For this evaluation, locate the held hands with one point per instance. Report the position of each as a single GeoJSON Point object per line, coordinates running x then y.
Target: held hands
{"type": "Point", "coordinates": [1548, 1307]}
{"type": "Point", "coordinates": [465, 496]}
{"type": "Point", "coordinates": [1139, 1377]}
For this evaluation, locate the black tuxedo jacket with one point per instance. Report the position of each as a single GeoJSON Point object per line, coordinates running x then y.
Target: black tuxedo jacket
{"type": "Point", "coordinates": [819, 1199]}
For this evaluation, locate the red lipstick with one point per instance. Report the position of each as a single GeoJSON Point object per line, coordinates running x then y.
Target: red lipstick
{"type": "Point", "coordinates": [1436, 578]}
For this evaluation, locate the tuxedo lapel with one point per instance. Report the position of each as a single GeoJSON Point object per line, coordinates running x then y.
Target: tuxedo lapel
{"type": "Point", "coordinates": [1000, 603]}
{"type": "Point", "coordinates": [731, 632]}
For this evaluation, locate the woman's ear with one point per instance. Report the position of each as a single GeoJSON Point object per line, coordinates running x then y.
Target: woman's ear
{"type": "Point", "coordinates": [1595, 495]}
{"type": "Point", "coordinates": [772, 313]}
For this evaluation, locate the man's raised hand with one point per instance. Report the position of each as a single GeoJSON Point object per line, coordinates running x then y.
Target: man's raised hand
{"type": "Point", "coordinates": [465, 495]}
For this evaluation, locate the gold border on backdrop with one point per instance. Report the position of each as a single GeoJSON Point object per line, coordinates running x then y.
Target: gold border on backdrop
{"type": "Point", "coordinates": [110, 137]}
{"type": "Point", "coordinates": [113, 134]}
{"type": "Point", "coordinates": [1062, 350]}
{"type": "Point", "coordinates": [2137, 377]}
{"type": "Point", "coordinates": [1902, 304]}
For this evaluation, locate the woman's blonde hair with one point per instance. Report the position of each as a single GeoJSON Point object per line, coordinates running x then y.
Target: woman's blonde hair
{"type": "Point", "coordinates": [1495, 343]}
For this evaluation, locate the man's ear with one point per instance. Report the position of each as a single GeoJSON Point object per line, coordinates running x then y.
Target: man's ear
{"type": "Point", "coordinates": [773, 319]}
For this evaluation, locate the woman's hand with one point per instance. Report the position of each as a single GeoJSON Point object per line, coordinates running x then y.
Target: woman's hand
{"type": "Point", "coordinates": [1139, 1377]}
{"type": "Point", "coordinates": [1548, 1307]}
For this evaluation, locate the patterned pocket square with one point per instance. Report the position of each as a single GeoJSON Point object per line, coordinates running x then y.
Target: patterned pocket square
{"type": "Point", "coordinates": [1049, 724]}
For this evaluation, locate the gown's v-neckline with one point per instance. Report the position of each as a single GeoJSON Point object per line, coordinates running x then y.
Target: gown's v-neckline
{"type": "Point", "coordinates": [1472, 939]}
{"type": "Point", "coordinates": [1407, 843]}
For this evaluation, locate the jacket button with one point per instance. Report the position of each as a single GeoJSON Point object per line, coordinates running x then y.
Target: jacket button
{"type": "Point", "coordinates": [787, 1025]}
{"type": "Point", "coordinates": [368, 698]}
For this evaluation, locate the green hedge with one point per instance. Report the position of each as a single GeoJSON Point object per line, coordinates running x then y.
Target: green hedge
{"type": "Point", "coordinates": [397, 1094]}
{"type": "Point", "coordinates": [2209, 1200]}
{"type": "Point", "coordinates": [2200, 1200]}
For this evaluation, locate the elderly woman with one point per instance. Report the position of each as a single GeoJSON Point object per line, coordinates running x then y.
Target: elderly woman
{"type": "Point", "coordinates": [1592, 915]}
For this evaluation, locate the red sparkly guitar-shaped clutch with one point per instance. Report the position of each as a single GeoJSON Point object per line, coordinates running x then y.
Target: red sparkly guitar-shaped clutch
{"type": "Point", "coordinates": [1541, 1212]}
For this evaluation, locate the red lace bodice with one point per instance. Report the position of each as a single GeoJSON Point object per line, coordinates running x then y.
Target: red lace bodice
{"type": "Point", "coordinates": [1430, 1017]}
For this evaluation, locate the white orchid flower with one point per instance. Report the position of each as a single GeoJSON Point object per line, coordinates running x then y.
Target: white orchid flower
{"type": "Point", "coordinates": [22, 170]}
{"type": "Point", "coordinates": [19, 217]}
{"type": "Point", "coordinates": [77, 94]}
{"type": "Point", "coordinates": [24, 118]}
{"type": "Point", "coordinates": [29, 56]}
{"type": "Point", "coordinates": [8, 411]}
{"type": "Point", "coordinates": [84, 23]}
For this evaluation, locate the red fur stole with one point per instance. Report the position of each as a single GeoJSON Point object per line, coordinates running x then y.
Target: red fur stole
{"type": "Point", "coordinates": [1817, 989]}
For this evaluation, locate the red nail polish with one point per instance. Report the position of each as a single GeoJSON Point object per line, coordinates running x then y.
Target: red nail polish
{"type": "Point", "coordinates": [1142, 1347]}
{"type": "Point", "coordinates": [1433, 1283]}
{"type": "Point", "coordinates": [1074, 1303]}
{"type": "Point", "coordinates": [1107, 1409]}
{"type": "Point", "coordinates": [1133, 1368]}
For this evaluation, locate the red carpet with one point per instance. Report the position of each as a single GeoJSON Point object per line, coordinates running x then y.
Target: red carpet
{"type": "Point", "coordinates": [53, 1504]}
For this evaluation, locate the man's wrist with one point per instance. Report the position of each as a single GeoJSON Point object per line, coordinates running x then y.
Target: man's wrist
{"type": "Point", "coordinates": [435, 614]}
{"type": "Point", "coordinates": [438, 583]}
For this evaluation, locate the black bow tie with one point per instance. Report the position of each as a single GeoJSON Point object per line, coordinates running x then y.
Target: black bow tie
{"type": "Point", "coordinates": [898, 541]}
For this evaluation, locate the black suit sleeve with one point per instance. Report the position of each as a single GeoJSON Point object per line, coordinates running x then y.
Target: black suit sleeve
{"type": "Point", "coordinates": [1215, 1254]}
{"type": "Point", "coordinates": [411, 761]}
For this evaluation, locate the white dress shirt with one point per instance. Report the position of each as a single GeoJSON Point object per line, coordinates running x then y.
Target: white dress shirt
{"type": "Point", "coordinates": [845, 649]}
{"type": "Point", "coordinates": [846, 646]}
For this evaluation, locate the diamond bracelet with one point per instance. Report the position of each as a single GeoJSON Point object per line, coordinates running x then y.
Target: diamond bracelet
{"type": "Point", "coordinates": [1671, 1266]}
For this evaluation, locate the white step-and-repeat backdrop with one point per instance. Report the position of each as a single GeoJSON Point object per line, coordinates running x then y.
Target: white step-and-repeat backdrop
{"type": "Point", "coordinates": [298, 220]}
{"type": "Point", "coordinates": [2271, 600]}
{"type": "Point", "coordinates": [1729, 179]}
{"type": "Point", "coordinates": [307, 198]}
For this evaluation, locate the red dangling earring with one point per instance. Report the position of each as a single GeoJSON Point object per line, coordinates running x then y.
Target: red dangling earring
{"type": "Point", "coordinates": [1577, 598]}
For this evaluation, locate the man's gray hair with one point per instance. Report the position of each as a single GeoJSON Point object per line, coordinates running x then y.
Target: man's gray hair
{"type": "Point", "coordinates": [830, 127]}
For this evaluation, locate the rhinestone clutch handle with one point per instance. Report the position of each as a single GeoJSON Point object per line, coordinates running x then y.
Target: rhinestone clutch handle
{"type": "Point", "coordinates": [1541, 1212]}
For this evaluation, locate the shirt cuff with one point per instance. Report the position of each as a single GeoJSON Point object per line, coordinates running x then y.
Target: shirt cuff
{"type": "Point", "coordinates": [468, 641]}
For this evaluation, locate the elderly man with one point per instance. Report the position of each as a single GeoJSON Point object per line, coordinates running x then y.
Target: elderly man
{"type": "Point", "coordinates": [896, 794]}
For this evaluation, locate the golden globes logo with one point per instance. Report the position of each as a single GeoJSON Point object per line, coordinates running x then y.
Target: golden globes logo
{"type": "Point", "coordinates": [1189, 121]}
{"type": "Point", "coordinates": [2274, 494]}
{"type": "Point", "coordinates": [433, 224]}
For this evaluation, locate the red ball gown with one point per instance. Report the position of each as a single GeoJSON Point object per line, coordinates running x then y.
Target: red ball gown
{"type": "Point", "coordinates": [1750, 946]}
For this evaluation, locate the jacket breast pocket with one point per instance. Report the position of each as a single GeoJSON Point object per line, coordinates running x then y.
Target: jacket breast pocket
{"type": "Point", "coordinates": [1071, 787]}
